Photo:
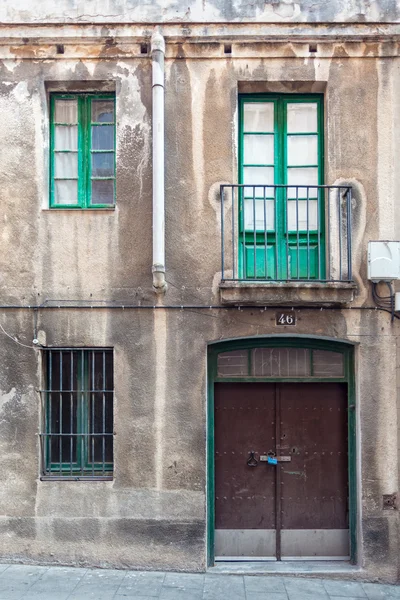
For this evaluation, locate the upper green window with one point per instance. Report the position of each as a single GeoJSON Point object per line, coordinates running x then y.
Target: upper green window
{"type": "Point", "coordinates": [82, 146]}
{"type": "Point", "coordinates": [281, 207]}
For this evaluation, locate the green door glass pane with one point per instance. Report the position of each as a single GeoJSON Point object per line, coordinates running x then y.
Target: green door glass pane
{"type": "Point", "coordinates": [302, 150]}
{"type": "Point", "coordinates": [258, 117]}
{"type": "Point", "coordinates": [302, 117]}
{"type": "Point", "coordinates": [258, 149]}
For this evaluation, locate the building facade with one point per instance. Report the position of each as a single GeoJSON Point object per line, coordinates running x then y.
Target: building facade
{"type": "Point", "coordinates": [222, 385]}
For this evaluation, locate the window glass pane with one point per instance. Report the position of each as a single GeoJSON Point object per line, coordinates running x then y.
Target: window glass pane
{"type": "Point", "coordinates": [258, 149]}
{"type": "Point", "coordinates": [102, 111]}
{"type": "Point", "coordinates": [66, 137]}
{"type": "Point", "coordinates": [102, 191]}
{"type": "Point", "coordinates": [103, 137]}
{"type": "Point", "coordinates": [66, 165]}
{"type": "Point", "coordinates": [281, 362]}
{"type": "Point", "coordinates": [258, 116]}
{"type": "Point", "coordinates": [66, 192]}
{"type": "Point", "coordinates": [301, 208]}
{"type": "Point", "coordinates": [298, 176]}
{"type": "Point", "coordinates": [265, 219]}
{"type": "Point", "coordinates": [302, 150]}
{"type": "Point", "coordinates": [233, 364]}
{"type": "Point", "coordinates": [103, 164]}
{"type": "Point", "coordinates": [258, 176]}
{"type": "Point", "coordinates": [328, 364]}
{"type": "Point", "coordinates": [302, 117]}
{"type": "Point", "coordinates": [66, 111]}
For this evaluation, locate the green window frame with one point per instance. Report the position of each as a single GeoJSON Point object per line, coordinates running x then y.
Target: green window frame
{"type": "Point", "coordinates": [283, 251]}
{"type": "Point", "coordinates": [77, 413]}
{"type": "Point", "coordinates": [82, 150]}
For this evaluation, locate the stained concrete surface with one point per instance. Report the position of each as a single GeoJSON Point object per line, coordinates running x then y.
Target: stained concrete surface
{"type": "Point", "coordinates": [25, 582]}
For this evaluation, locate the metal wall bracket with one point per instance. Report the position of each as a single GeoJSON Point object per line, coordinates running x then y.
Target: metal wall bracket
{"type": "Point", "coordinates": [390, 502]}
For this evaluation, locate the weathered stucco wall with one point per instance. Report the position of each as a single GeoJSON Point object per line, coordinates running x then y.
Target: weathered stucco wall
{"type": "Point", "coordinates": [203, 11]}
{"type": "Point", "coordinates": [67, 254]}
{"type": "Point", "coordinates": [153, 514]}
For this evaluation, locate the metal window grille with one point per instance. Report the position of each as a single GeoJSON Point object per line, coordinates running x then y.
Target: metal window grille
{"type": "Point", "coordinates": [76, 438]}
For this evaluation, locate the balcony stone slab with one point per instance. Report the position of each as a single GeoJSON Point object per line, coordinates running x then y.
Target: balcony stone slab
{"type": "Point", "coordinates": [287, 293]}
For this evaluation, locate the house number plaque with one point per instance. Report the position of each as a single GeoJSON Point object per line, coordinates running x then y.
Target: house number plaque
{"type": "Point", "coordinates": [287, 317]}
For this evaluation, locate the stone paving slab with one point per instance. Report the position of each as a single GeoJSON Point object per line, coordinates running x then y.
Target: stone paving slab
{"type": "Point", "coordinates": [27, 582]}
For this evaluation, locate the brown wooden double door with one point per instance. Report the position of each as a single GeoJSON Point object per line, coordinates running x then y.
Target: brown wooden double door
{"type": "Point", "coordinates": [281, 472]}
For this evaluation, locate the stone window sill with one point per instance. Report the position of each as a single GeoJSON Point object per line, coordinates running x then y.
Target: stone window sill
{"type": "Point", "coordinates": [287, 293]}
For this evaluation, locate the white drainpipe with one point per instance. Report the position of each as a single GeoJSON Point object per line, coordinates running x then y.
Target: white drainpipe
{"type": "Point", "coordinates": [157, 58]}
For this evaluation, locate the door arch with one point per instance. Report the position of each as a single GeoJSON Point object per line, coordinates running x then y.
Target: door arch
{"type": "Point", "coordinates": [266, 366]}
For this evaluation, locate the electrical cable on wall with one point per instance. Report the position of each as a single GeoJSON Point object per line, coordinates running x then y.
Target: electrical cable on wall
{"type": "Point", "coordinates": [14, 339]}
{"type": "Point", "coordinates": [385, 302]}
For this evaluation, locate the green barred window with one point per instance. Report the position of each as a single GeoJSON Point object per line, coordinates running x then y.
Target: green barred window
{"type": "Point", "coordinates": [82, 146]}
{"type": "Point", "coordinates": [77, 413]}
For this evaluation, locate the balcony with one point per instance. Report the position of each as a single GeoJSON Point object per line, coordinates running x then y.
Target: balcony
{"type": "Point", "coordinates": [286, 245]}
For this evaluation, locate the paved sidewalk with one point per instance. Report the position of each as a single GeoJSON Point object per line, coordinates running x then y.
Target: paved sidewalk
{"type": "Point", "coordinates": [20, 582]}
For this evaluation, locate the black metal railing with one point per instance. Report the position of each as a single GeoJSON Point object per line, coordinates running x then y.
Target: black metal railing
{"type": "Point", "coordinates": [286, 233]}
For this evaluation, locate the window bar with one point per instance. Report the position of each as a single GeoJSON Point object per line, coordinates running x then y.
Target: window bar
{"type": "Point", "coordinates": [45, 421]}
{"type": "Point", "coordinates": [286, 204]}
{"type": "Point", "coordinates": [60, 415]}
{"type": "Point", "coordinates": [329, 234]}
{"type": "Point", "coordinates": [233, 230]}
{"type": "Point", "coordinates": [92, 398]}
{"type": "Point", "coordinates": [43, 454]}
{"type": "Point", "coordinates": [340, 232]}
{"type": "Point", "coordinates": [349, 265]}
{"type": "Point", "coordinates": [320, 192]}
{"type": "Point", "coordinates": [244, 275]}
{"type": "Point", "coordinates": [311, 355]}
{"type": "Point", "coordinates": [222, 232]}
{"type": "Point", "coordinates": [82, 456]}
{"type": "Point", "coordinates": [265, 233]}
{"type": "Point", "coordinates": [254, 232]}
{"type": "Point", "coordinates": [103, 438]}
{"type": "Point", "coordinates": [276, 234]}
{"type": "Point", "coordinates": [297, 229]}
{"type": "Point", "coordinates": [308, 231]}
{"type": "Point", "coordinates": [50, 401]}
{"type": "Point", "coordinates": [72, 411]}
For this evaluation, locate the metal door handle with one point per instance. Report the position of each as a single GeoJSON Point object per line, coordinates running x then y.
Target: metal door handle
{"type": "Point", "coordinates": [252, 461]}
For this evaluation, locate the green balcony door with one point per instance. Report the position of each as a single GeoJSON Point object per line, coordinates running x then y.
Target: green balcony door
{"type": "Point", "coordinates": [281, 229]}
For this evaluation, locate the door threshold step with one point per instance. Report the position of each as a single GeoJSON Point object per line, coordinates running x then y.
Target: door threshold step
{"type": "Point", "coordinates": [287, 567]}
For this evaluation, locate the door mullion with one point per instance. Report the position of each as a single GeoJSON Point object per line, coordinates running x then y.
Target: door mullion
{"type": "Point", "coordinates": [278, 503]}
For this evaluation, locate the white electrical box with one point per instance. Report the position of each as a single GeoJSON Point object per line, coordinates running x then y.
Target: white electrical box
{"type": "Point", "coordinates": [383, 261]}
